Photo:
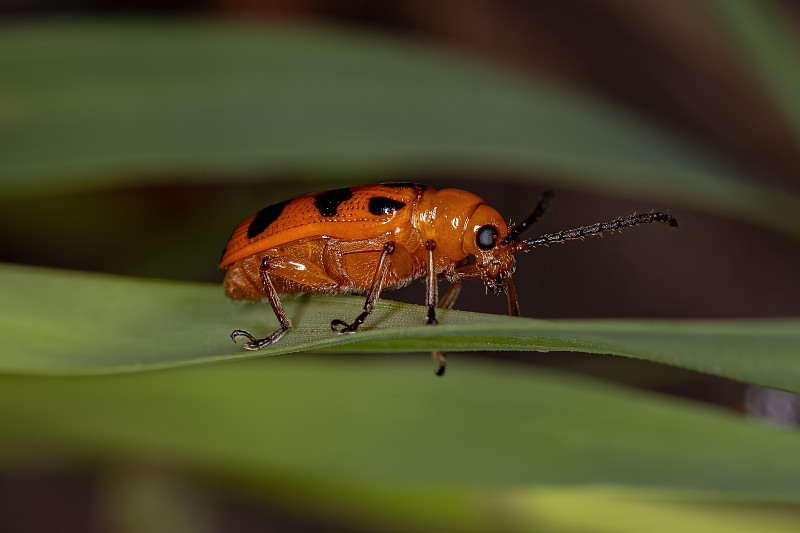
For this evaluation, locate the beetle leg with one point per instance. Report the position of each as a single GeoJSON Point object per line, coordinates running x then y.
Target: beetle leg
{"type": "Point", "coordinates": [470, 271]}
{"type": "Point", "coordinates": [432, 301]}
{"type": "Point", "coordinates": [432, 285]}
{"type": "Point", "coordinates": [511, 292]}
{"type": "Point", "coordinates": [372, 296]}
{"type": "Point", "coordinates": [448, 301]}
{"type": "Point", "coordinates": [442, 358]}
{"type": "Point", "coordinates": [275, 302]}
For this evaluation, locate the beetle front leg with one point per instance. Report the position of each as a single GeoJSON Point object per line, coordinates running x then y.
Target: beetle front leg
{"type": "Point", "coordinates": [372, 296]}
{"type": "Point", "coordinates": [275, 302]}
{"type": "Point", "coordinates": [511, 292]}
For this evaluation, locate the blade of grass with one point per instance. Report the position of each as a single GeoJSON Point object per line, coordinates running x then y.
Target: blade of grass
{"type": "Point", "coordinates": [766, 40]}
{"type": "Point", "coordinates": [56, 322]}
{"type": "Point", "coordinates": [379, 442]}
{"type": "Point", "coordinates": [617, 510]}
{"type": "Point", "coordinates": [100, 103]}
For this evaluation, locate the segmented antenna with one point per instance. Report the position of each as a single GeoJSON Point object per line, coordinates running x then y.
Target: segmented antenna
{"type": "Point", "coordinates": [596, 229]}
{"type": "Point", "coordinates": [540, 210]}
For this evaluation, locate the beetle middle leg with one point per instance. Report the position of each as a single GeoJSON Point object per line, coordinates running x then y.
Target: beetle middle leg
{"type": "Point", "coordinates": [372, 296]}
{"type": "Point", "coordinates": [275, 302]}
{"type": "Point", "coordinates": [432, 285]}
{"type": "Point", "coordinates": [432, 301]}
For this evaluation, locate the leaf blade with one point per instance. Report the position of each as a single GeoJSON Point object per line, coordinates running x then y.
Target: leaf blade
{"type": "Point", "coordinates": [98, 104]}
{"type": "Point", "coordinates": [365, 439]}
{"type": "Point", "coordinates": [759, 31]}
{"type": "Point", "coordinates": [90, 324]}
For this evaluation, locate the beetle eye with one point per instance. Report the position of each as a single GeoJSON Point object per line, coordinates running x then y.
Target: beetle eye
{"type": "Point", "coordinates": [486, 237]}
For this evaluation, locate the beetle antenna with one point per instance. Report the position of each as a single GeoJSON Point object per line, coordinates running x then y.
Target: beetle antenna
{"type": "Point", "coordinates": [540, 210]}
{"type": "Point", "coordinates": [598, 229]}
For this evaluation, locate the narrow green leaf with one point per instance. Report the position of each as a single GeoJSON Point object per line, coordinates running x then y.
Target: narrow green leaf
{"type": "Point", "coordinates": [71, 323]}
{"type": "Point", "coordinates": [93, 103]}
{"type": "Point", "coordinates": [770, 46]}
{"type": "Point", "coordinates": [625, 510]}
{"type": "Point", "coordinates": [377, 441]}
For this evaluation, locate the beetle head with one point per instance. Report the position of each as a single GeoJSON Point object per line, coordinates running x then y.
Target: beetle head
{"type": "Point", "coordinates": [486, 239]}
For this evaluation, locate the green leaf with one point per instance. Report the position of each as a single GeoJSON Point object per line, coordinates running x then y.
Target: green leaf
{"type": "Point", "coordinates": [70, 323]}
{"type": "Point", "coordinates": [769, 44]}
{"type": "Point", "coordinates": [377, 442]}
{"type": "Point", "coordinates": [99, 103]}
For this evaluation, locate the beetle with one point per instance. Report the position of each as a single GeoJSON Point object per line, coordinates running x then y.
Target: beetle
{"type": "Point", "coordinates": [365, 238]}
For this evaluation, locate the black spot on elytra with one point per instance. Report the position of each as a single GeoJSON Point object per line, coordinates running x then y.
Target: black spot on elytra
{"type": "Point", "coordinates": [328, 201]}
{"type": "Point", "coordinates": [264, 218]}
{"type": "Point", "coordinates": [379, 205]}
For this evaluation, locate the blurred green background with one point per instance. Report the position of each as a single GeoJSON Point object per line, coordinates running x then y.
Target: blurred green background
{"type": "Point", "coordinates": [134, 139]}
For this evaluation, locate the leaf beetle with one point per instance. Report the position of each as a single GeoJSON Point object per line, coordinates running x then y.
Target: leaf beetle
{"type": "Point", "coordinates": [366, 238]}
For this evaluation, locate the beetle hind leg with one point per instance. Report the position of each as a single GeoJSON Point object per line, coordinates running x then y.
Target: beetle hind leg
{"type": "Point", "coordinates": [257, 344]}
{"type": "Point", "coordinates": [275, 302]}
{"type": "Point", "coordinates": [340, 326]}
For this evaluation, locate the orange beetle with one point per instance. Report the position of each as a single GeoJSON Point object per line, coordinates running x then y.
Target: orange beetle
{"type": "Point", "coordinates": [362, 239]}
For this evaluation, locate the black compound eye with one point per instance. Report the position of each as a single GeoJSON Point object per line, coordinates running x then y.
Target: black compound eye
{"type": "Point", "coordinates": [486, 237]}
